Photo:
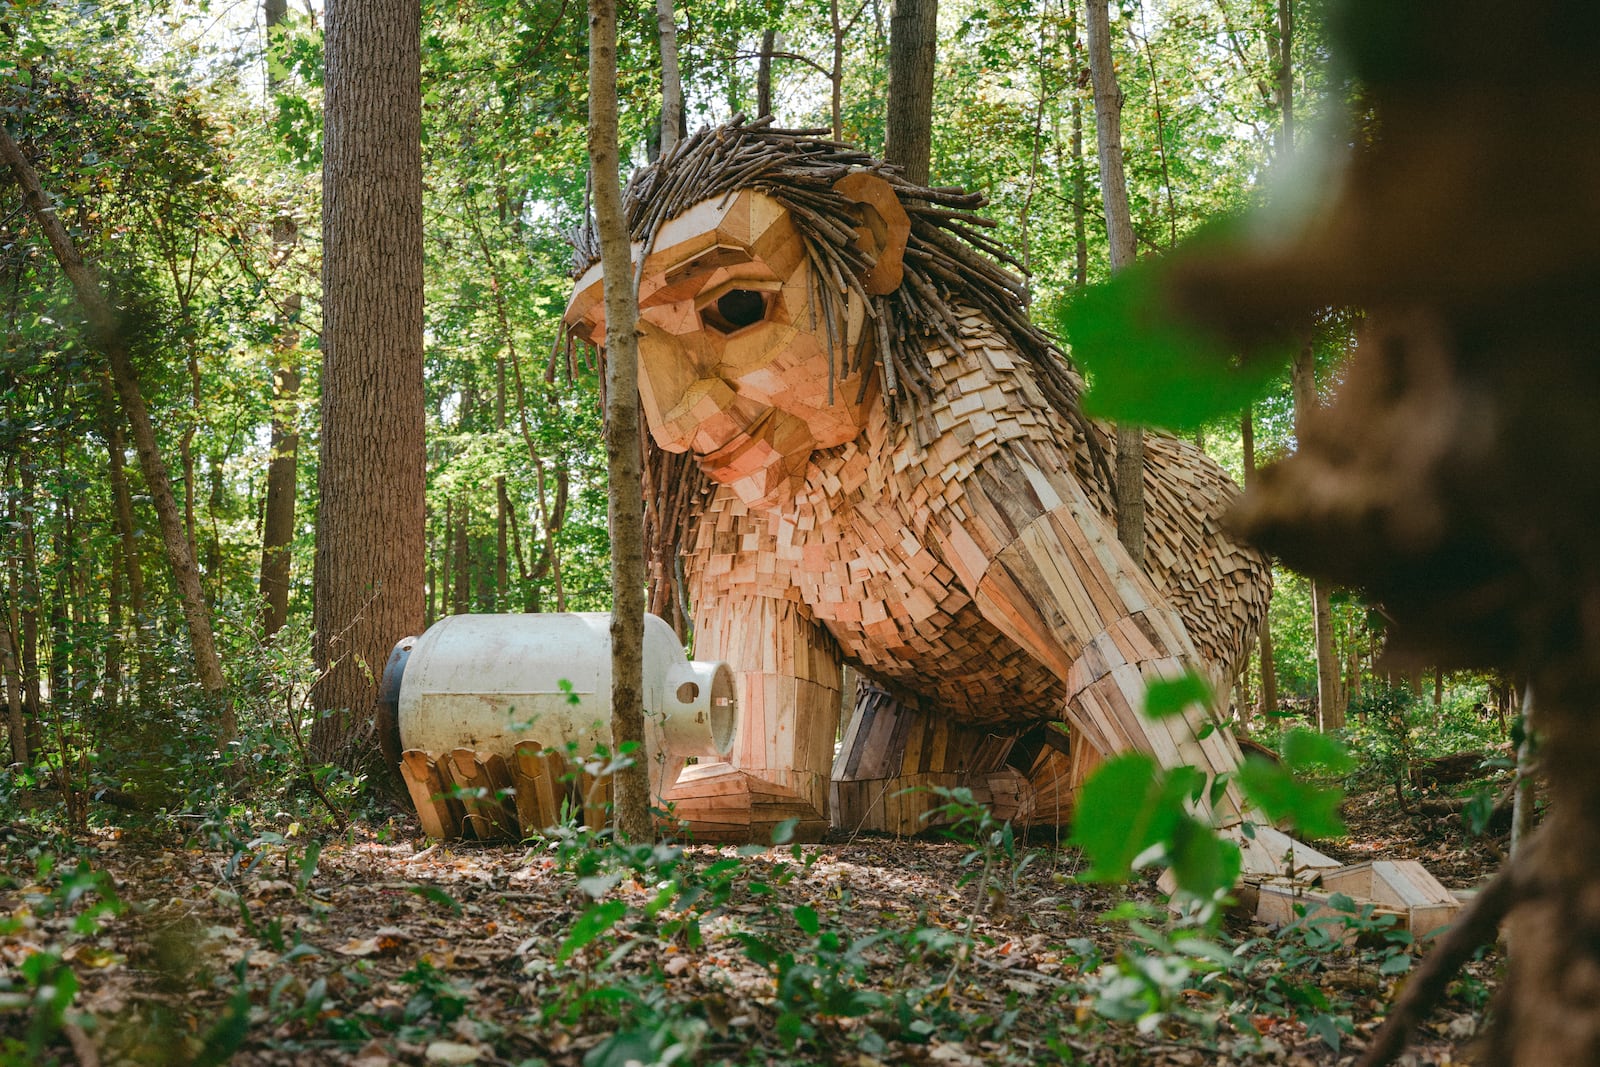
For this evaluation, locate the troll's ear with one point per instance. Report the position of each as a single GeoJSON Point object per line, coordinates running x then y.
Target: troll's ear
{"type": "Point", "coordinates": [882, 229]}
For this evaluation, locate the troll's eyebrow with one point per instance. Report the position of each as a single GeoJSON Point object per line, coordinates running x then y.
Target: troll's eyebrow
{"type": "Point", "coordinates": [707, 261]}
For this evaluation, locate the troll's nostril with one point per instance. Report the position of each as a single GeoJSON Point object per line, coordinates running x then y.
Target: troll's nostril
{"type": "Point", "coordinates": [738, 308]}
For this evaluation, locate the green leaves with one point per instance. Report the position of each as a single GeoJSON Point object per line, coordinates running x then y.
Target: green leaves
{"type": "Point", "coordinates": [1147, 365]}
{"type": "Point", "coordinates": [1283, 794]}
{"type": "Point", "coordinates": [1174, 696]}
{"type": "Point", "coordinates": [1131, 811]}
{"type": "Point", "coordinates": [596, 920]}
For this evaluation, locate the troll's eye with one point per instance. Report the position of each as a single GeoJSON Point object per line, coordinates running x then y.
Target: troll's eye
{"type": "Point", "coordinates": [734, 310]}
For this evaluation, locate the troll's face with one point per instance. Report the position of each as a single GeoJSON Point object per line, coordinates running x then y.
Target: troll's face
{"type": "Point", "coordinates": [733, 349]}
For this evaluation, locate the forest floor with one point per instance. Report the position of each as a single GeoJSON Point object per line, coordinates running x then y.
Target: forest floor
{"type": "Point", "coordinates": [385, 948]}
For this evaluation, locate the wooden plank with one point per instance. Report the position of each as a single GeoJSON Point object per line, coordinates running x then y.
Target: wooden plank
{"type": "Point", "coordinates": [536, 773]}
{"type": "Point", "coordinates": [595, 796]}
{"type": "Point", "coordinates": [430, 788]}
{"type": "Point", "coordinates": [485, 784]}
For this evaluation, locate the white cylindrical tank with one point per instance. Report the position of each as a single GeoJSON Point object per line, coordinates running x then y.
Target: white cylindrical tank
{"type": "Point", "coordinates": [487, 682]}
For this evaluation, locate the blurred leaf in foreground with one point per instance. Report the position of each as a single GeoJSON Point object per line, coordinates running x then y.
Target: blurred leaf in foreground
{"type": "Point", "coordinates": [1146, 364]}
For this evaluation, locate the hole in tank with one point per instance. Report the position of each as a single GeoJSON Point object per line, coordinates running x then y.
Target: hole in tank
{"type": "Point", "coordinates": [688, 692]}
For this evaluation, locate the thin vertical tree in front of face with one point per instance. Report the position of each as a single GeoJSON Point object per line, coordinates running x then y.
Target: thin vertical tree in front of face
{"type": "Point", "coordinates": [622, 425]}
{"type": "Point", "coordinates": [369, 559]}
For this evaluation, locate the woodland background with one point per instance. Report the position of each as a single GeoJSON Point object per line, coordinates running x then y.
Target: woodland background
{"type": "Point", "coordinates": [183, 144]}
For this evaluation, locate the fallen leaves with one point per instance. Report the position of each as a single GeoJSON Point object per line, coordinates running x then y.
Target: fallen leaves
{"type": "Point", "coordinates": [450, 953]}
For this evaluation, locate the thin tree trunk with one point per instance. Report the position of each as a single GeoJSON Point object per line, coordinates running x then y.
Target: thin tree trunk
{"type": "Point", "coordinates": [371, 540]}
{"type": "Point", "coordinates": [913, 40]}
{"type": "Point", "coordinates": [836, 72]}
{"type": "Point", "coordinates": [115, 636]}
{"type": "Point", "coordinates": [1080, 183]}
{"type": "Point", "coordinates": [461, 600]}
{"type": "Point", "coordinates": [180, 552]}
{"type": "Point", "coordinates": [431, 574]}
{"type": "Point", "coordinates": [122, 507]}
{"type": "Point", "coordinates": [447, 546]}
{"type": "Point", "coordinates": [502, 545]}
{"type": "Point", "coordinates": [283, 464]}
{"type": "Point", "coordinates": [10, 670]}
{"type": "Point", "coordinates": [1350, 691]}
{"type": "Point", "coordinates": [1522, 799]}
{"type": "Point", "coordinates": [62, 690]}
{"type": "Point", "coordinates": [1285, 80]}
{"type": "Point", "coordinates": [1329, 713]}
{"type": "Point", "coordinates": [1269, 670]}
{"type": "Point", "coordinates": [1119, 234]}
{"type": "Point", "coordinates": [622, 436]}
{"type": "Point", "coordinates": [277, 527]}
{"type": "Point", "coordinates": [671, 81]}
{"type": "Point", "coordinates": [769, 41]}
{"type": "Point", "coordinates": [16, 729]}
{"type": "Point", "coordinates": [1042, 66]}
{"type": "Point", "coordinates": [28, 611]}
{"type": "Point", "coordinates": [186, 442]}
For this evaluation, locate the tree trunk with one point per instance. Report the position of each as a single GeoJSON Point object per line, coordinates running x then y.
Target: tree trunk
{"type": "Point", "coordinates": [1522, 790]}
{"type": "Point", "coordinates": [461, 586]}
{"type": "Point", "coordinates": [180, 551]}
{"type": "Point", "coordinates": [447, 544]}
{"type": "Point", "coordinates": [59, 674]}
{"type": "Point", "coordinates": [370, 535]}
{"type": "Point", "coordinates": [1329, 713]}
{"type": "Point", "coordinates": [115, 635]}
{"type": "Point", "coordinates": [671, 82]}
{"type": "Point", "coordinates": [1285, 80]}
{"type": "Point", "coordinates": [1080, 182]}
{"type": "Point", "coordinates": [908, 133]}
{"type": "Point", "coordinates": [1119, 234]}
{"type": "Point", "coordinates": [277, 525]}
{"type": "Point", "coordinates": [16, 728]}
{"type": "Point", "coordinates": [1269, 670]}
{"type": "Point", "coordinates": [836, 72]}
{"type": "Point", "coordinates": [769, 41]}
{"type": "Point", "coordinates": [1080, 193]}
{"type": "Point", "coordinates": [626, 500]}
{"type": "Point", "coordinates": [132, 559]}
{"type": "Point", "coordinates": [1350, 690]}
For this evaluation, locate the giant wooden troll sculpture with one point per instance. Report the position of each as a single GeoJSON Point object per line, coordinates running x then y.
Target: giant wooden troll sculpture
{"type": "Point", "coordinates": [890, 470]}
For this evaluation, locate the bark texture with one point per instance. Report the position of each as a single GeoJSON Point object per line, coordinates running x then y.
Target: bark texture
{"type": "Point", "coordinates": [277, 521]}
{"type": "Point", "coordinates": [671, 83]}
{"type": "Point", "coordinates": [908, 133]}
{"type": "Point", "coordinates": [369, 559]}
{"type": "Point", "coordinates": [1330, 708]}
{"type": "Point", "coordinates": [103, 323]}
{"type": "Point", "coordinates": [621, 426]}
{"type": "Point", "coordinates": [1119, 235]}
{"type": "Point", "coordinates": [1269, 669]}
